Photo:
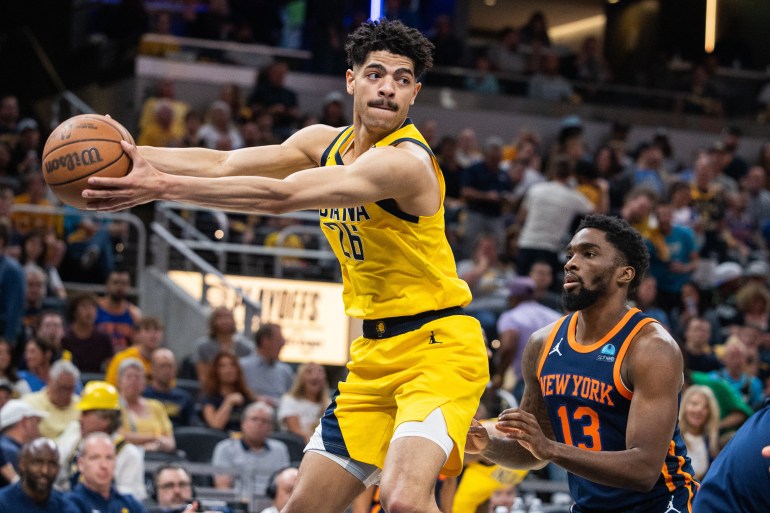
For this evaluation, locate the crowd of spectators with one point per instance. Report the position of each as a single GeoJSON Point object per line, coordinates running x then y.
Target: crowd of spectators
{"type": "Point", "coordinates": [509, 209]}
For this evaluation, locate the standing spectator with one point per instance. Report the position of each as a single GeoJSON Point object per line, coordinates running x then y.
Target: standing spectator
{"type": "Point", "coordinates": [449, 49]}
{"type": "Point", "coordinates": [116, 315]}
{"type": "Point", "coordinates": [57, 399]}
{"type": "Point", "coordinates": [223, 337]}
{"type": "Point", "coordinates": [535, 30]}
{"type": "Point", "coordinates": [91, 349]}
{"type": "Point", "coordinates": [12, 288]}
{"type": "Point", "coordinates": [254, 457]}
{"type": "Point", "coordinates": [179, 403]}
{"type": "Point", "coordinates": [100, 413]}
{"type": "Point", "coordinates": [755, 185]}
{"type": "Point", "coordinates": [145, 421]}
{"type": "Point", "coordinates": [96, 490]}
{"type": "Point", "coordinates": [647, 171]}
{"type": "Point", "coordinates": [542, 273]}
{"type": "Point", "coordinates": [514, 328]}
{"type": "Point", "coordinates": [546, 214]}
{"type": "Point", "coordinates": [266, 376]}
{"type": "Point", "coordinates": [300, 409]}
{"type": "Point", "coordinates": [147, 339]}
{"type": "Point", "coordinates": [34, 492]}
{"type": "Point", "coordinates": [698, 423]}
{"type": "Point", "coordinates": [272, 95]}
{"type": "Point", "coordinates": [225, 394]}
{"type": "Point", "coordinates": [682, 258]}
{"type": "Point", "coordinates": [19, 424]}
{"type": "Point", "coordinates": [590, 64]}
{"type": "Point", "coordinates": [484, 187]}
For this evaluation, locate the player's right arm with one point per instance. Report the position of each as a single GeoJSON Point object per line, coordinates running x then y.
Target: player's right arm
{"type": "Point", "coordinates": [506, 451]}
{"type": "Point", "coordinates": [302, 150]}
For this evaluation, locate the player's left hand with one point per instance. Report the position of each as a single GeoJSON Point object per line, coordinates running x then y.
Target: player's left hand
{"type": "Point", "coordinates": [141, 185]}
{"type": "Point", "coordinates": [523, 427]}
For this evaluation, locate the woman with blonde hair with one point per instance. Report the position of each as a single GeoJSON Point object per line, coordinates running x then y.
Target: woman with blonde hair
{"type": "Point", "coordinates": [302, 406]}
{"type": "Point", "coordinates": [699, 425]}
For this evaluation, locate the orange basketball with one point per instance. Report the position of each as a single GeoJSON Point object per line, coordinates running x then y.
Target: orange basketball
{"type": "Point", "coordinates": [80, 147]}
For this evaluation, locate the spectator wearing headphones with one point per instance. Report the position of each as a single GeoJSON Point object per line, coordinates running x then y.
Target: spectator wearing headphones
{"type": "Point", "coordinates": [173, 491]}
{"type": "Point", "coordinates": [280, 488]}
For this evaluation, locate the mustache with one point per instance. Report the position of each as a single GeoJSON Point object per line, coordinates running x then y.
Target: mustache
{"type": "Point", "coordinates": [382, 102]}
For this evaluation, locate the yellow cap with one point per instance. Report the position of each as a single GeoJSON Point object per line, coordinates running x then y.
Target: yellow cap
{"type": "Point", "coordinates": [99, 395]}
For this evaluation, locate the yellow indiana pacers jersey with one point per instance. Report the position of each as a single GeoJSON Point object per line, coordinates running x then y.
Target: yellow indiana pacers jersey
{"type": "Point", "coordinates": [393, 263]}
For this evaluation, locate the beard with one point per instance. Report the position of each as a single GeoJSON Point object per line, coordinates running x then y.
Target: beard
{"type": "Point", "coordinates": [583, 298]}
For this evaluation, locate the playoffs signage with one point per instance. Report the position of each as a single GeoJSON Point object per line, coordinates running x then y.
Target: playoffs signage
{"type": "Point", "coordinates": [311, 314]}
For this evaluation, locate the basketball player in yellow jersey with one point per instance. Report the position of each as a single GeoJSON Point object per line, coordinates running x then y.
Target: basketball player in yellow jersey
{"type": "Point", "coordinates": [416, 376]}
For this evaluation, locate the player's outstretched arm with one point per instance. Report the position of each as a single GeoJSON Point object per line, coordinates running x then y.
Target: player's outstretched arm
{"type": "Point", "coordinates": [302, 150]}
{"type": "Point", "coordinates": [377, 174]}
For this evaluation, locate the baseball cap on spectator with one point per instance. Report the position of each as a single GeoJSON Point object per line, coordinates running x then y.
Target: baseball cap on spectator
{"type": "Point", "coordinates": [522, 287]}
{"type": "Point", "coordinates": [726, 272]}
{"type": "Point", "coordinates": [15, 410]}
{"type": "Point", "coordinates": [26, 124]}
{"type": "Point", "coordinates": [757, 269]}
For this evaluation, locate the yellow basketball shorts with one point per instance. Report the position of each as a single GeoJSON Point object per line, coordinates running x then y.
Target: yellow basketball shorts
{"type": "Point", "coordinates": [443, 364]}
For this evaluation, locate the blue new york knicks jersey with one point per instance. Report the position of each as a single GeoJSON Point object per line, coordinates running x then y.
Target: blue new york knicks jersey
{"type": "Point", "coordinates": [588, 405]}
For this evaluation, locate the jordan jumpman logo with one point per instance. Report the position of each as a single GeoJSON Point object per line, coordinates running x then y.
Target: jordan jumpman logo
{"type": "Point", "coordinates": [671, 508]}
{"type": "Point", "coordinates": [556, 348]}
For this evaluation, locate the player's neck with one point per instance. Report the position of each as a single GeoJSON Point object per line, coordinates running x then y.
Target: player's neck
{"type": "Point", "coordinates": [599, 319]}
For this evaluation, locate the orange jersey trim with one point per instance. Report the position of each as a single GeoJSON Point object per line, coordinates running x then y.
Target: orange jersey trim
{"type": "Point", "coordinates": [617, 378]}
{"type": "Point", "coordinates": [580, 348]}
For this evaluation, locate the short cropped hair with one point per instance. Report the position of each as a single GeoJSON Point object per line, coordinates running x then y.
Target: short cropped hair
{"type": "Point", "coordinates": [625, 239]}
{"type": "Point", "coordinates": [390, 36]}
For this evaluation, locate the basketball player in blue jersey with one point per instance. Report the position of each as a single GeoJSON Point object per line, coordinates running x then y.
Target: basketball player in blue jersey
{"type": "Point", "coordinates": [416, 375]}
{"type": "Point", "coordinates": [602, 388]}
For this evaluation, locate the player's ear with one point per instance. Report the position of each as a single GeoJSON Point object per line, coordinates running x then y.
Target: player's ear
{"type": "Point", "coordinates": [350, 81]}
{"type": "Point", "coordinates": [626, 275]}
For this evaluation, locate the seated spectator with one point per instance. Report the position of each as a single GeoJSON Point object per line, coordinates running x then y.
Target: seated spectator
{"type": "Point", "coordinates": [698, 424]}
{"type": "Point", "coordinates": [50, 226]}
{"type": "Point", "coordinates": [753, 303]}
{"type": "Point", "coordinates": [179, 403]}
{"type": "Point", "coordinates": [223, 337]}
{"type": "Point", "coordinates": [58, 399]}
{"type": "Point", "coordinates": [145, 421]}
{"type": "Point", "coordinates": [147, 339]}
{"type": "Point", "coordinates": [333, 111]}
{"type": "Point", "coordinates": [645, 299]}
{"type": "Point", "coordinates": [219, 132]}
{"type": "Point", "coordinates": [272, 95]}
{"type": "Point", "coordinates": [160, 131]}
{"type": "Point", "coordinates": [302, 406]}
{"type": "Point", "coordinates": [281, 486]}
{"type": "Point", "coordinates": [541, 273]}
{"type": "Point", "coordinates": [11, 283]}
{"type": "Point", "coordinates": [34, 492]}
{"type": "Point", "coordinates": [35, 301]}
{"type": "Point", "coordinates": [41, 250]}
{"type": "Point", "coordinates": [698, 355]}
{"type": "Point", "coordinates": [8, 370]}
{"type": "Point", "coordinates": [507, 53]}
{"type": "Point", "coordinates": [254, 457]}
{"type": "Point", "coordinates": [535, 30]}
{"type": "Point", "coordinates": [116, 315]}
{"type": "Point", "coordinates": [19, 424]}
{"type": "Point", "coordinates": [449, 48]}
{"type": "Point", "coordinates": [482, 79]}
{"type": "Point", "coordinates": [90, 253]}
{"type": "Point", "coordinates": [267, 377]}
{"type": "Point", "coordinates": [100, 413]}
{"type": "Point", "coordinates": [549, 85]}
{"type": "Point", "coordinates": [225, 394]}
{"type": "Point", "coordinates": [90, 349]}
{"type": "Point", "coordinates": [702, 95]}
{"type": "Point", "coordinates": [192, 126]}
{"type": "Point", "coordinates": [96, 491]}
{"type": "Point", "coordinates": [38, 355]}
{"type": "Point", "coordinates": [174, 491]}
{"type": "Point", "coordinates": [734, 373]}
{"type": "Point", "coordinates": [164, 92]}
{"type": "Point", "coordinates": [590, 64]}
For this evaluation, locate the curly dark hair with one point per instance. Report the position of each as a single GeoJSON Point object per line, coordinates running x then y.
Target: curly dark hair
{"type": "Point", "coordinates": [625, 239]}
{"type": "Point", "coordinates": [391, 36]}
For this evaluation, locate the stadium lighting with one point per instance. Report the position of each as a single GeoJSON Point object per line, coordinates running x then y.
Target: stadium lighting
{"type": "Point", "coordinates": [711, 25]}
{"type": "Point", "coordinates": [375, 9]}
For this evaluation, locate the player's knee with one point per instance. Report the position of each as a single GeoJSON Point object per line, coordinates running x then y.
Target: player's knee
{"type": "Point", "coordinates": [402, 498]}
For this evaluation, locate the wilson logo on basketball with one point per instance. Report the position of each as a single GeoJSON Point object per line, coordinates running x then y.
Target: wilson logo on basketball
{"type": "Point", "coordinates": [72, 160]}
